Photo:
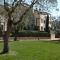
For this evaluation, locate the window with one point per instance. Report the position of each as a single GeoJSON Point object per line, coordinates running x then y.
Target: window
{"type": "Point", "coordinates": [1, 27]}
{"type": "Point", "coordinates": [44, 21]}
{"type": "Point", "coordinates": [41, 20]}
{"type": "Point", "coordinates": [41, 28]}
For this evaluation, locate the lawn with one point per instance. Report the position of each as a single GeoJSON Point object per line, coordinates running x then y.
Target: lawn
{"type": "Point", "coordinates": [32, 50]}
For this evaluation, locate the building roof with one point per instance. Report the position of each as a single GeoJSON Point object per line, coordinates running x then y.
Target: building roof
{"type": "Point", "coordinates": [40, 12]}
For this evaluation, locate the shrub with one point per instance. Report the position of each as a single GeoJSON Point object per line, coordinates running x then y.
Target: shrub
{"type": "Point", "coordinates": [32, 34]}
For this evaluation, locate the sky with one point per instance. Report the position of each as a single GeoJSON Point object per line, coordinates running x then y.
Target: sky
{"type": "Point", "coordinates": [28, 1]}
{"type": "Point", "coordinates": [54, 11]}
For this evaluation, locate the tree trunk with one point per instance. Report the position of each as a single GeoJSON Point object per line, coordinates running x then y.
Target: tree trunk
{"type": "Point", "coordinates": [15, 36]}
{"type": "Point", "coordinates": [16, 29]}
{"type": "Point", "coordinates": [6, 36]}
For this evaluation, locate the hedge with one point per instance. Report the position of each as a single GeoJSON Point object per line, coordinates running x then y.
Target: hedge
{"type": "Point", "coordinates": [32, 34]}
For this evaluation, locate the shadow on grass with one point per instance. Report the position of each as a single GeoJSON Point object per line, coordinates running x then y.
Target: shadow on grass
{"type": "Point", "coordinates": [54, 41]}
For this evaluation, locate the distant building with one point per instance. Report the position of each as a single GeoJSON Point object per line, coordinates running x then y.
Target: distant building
{"type": "Point", "coordinates": [3, 18]}
{"type": "Point", "coordinates": [40, 20]}
{"type": "Point", "coordinates": [3, 23]}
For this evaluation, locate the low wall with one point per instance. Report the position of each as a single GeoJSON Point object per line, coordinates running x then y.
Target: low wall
{"type": "Point", "coordinates": [57, 36]}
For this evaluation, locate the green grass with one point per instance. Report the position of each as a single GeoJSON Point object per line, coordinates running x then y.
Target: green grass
{"type": "Point", "coordinates": [32, 50]}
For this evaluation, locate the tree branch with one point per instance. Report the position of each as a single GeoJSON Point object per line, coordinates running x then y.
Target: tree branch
{"type": "Point", "coordinates": [14, 7]}
{"type": "Point", "coordinates": [5, 6]}
{"type": "Point", "coordinates": [25, 12]}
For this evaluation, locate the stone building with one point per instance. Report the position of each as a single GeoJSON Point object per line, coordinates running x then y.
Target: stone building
{"type": "Point", "coordinates": [40, 20]}
{"type": "Point", "coordinates": [3, 18]}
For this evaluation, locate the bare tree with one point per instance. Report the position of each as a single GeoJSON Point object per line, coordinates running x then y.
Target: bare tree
{"type": "Point", "coordinates": [10, 8]}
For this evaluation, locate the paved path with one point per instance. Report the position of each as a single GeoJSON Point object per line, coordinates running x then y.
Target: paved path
{"type": "Point", "coordinates": [31, 38]}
